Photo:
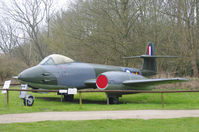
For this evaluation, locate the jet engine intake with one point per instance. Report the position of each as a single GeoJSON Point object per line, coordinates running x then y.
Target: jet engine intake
{"type": "Point", "coordinates": [113, 80]}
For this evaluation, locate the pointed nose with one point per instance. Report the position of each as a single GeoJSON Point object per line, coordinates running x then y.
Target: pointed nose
{"type": "Point", "coordinates": [31, 74]}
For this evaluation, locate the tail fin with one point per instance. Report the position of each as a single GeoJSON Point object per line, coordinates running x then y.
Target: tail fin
{"type": "Point", "coordinates": [150, 50]}
{"type": "Point", "coordinates": [149, 66]}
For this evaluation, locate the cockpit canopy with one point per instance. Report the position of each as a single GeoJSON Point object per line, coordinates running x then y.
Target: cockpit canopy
{"type": "Point", "coordinates": [55, 59]}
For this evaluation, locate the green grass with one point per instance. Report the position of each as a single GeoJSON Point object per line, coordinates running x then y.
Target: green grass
{"type": "Point", "coordinates": [124, 125]}
{"type": "Point", "coordinates": [97, 101]}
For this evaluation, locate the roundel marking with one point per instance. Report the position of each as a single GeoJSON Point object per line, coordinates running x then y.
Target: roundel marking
{"type": "Point", "coordinates": [102, 82]}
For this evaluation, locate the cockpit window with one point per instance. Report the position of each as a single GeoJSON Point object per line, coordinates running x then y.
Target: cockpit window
{"type": "Point", "coordinates": [43, 61]}
{"type": "Point", "coordinates": [55, 59]}
{"type": "Point", "coordinates": [49, 62]}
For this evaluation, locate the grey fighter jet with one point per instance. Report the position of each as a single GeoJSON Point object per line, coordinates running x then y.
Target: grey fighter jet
{"type": "Point", "coordinates": [60, 72]}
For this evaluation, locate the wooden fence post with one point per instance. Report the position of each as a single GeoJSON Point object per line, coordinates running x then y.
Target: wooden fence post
{"type": "Point", "coordinates": [80, 99]}
{"type": "Point", "coordinates": [7, 93]}
{"type": "Point", "coordinates": [162, 99]}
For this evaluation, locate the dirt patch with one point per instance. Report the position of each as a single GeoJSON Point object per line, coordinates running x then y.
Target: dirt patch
{"type": "Point", "coordinates": [96, 115]}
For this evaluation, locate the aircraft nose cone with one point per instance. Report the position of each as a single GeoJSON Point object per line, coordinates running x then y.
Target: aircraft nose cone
{"type": "Point", "coordinates": [31, 74]}
{"type": "Point", "coordinates": [20, 77]}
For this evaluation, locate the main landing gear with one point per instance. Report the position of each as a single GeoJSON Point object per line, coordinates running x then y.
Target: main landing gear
{"type": "Point", "coordinates": [112, 100]}
{"type": "Point", "coordinates": [68, 97]}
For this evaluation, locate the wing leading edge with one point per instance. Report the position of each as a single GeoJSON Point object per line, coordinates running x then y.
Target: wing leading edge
{"type": "Point", "coordinates": [151, 82]}
{"type": "Point", "coordinates": [141, 83]}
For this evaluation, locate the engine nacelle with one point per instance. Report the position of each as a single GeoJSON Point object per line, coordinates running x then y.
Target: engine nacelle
{"type": "Point", "coordinates": [113, 80]}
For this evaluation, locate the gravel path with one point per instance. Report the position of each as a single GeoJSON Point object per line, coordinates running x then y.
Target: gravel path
{"type": "Point", "coordinates": [94, 115]}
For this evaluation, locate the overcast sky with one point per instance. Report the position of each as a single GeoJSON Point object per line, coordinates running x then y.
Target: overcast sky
{"type": "Point", "coordinates": [58, 4]}
{"type": "Point", "coordinates": [61, 3]}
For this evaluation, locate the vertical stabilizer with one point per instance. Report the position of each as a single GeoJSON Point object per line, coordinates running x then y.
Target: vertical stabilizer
{"type": "Point", "coordinates": [150, 50]}
{"type": "Point", "coordinates": [149, 66]}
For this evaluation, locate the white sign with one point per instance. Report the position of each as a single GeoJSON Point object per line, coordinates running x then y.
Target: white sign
{"type": "Point", "coordinates": [23, 93]}
{"type": "Point", "coordinates": [63, 91]}
{"type": "Point", "coordinates": [6, 86]}
{"type": "Point", "coordinates": [72, 91]}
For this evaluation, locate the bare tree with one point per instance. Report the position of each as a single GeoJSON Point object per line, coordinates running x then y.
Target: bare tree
{"type": "Point", "coordinates": [8, 38]}
{"type": "Point", "coordinates": [185, 11]}
{"type": "Point", "coordinates": [103, 31]}
{"type": "Point", "coordinates": [48, 13]}
{"type": "Point", "coordinates": [29, 15]}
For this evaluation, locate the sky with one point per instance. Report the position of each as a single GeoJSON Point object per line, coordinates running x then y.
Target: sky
{"type": "Point", "coordinates": [58, 5]}
{"type": "Point", "coordinates": [61, 3]}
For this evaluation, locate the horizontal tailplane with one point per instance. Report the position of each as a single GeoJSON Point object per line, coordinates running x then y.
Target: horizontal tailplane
{"type": "Point", "coordinates": [149, 66]}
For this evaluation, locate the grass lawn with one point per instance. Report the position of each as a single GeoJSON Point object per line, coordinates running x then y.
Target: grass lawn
{"type": "Point", "coordinates": [97, 101]}
{"type": "Point", "coordinates": [124, 125]}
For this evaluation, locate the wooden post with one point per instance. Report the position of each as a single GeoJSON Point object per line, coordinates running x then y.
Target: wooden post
{"type": "Point", "coordinates": [162, 99]}
{"type": "Point", "coordinates": [61, 97]}
{"type": "Point", "coordinates": [5, 100]}
{"type": "Point", "coordinates": [107, 100]}
{"type": "Point", "coordinates": [7, 93]}
{"type": "Point", "coordinates": [80, 99]}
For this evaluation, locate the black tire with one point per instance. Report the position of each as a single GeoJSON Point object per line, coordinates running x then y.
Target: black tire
{"type": "Point", "coordinates": [68, 97]}
{"type": "Point", "coordinates": [28, 101]}
{"type": "Point", "coordinates": [113, 100]}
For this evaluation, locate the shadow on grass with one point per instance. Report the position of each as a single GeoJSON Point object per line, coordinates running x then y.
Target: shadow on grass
{"type": "Point", "coordinates": [103, 102]}
{"type": "Point", "coordinates": [149, 101]}
{"type": "Point", "coordinates": [75, 101]}
{"type": "Point", "coordinates": [127, 99]}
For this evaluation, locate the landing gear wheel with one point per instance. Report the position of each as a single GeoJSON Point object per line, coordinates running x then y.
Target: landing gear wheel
{"type": "Point", "coordinates": [113, 100]}
{"type": "Point", "coordinates": [69, 97]}
{"type": "Point", "coordinates": [28, 100]}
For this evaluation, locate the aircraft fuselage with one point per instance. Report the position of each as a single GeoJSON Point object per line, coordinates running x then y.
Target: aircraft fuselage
{"type": "Point", "coordinates": [69, 75]}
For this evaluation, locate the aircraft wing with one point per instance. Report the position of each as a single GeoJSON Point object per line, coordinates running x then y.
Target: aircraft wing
{"type": "Point", "coordinates": [90, 83]}
{"type": "Point", "coordinates": [140, 83]}
{"type": "Point", "coordinates": [151, 82]}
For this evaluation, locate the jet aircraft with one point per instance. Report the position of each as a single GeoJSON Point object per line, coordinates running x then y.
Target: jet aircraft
{"type": "Point", "coordinates": [60, 72]}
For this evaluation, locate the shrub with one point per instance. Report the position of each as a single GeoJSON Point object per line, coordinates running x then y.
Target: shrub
{"type": "Point", "coordinates": [10, 66]}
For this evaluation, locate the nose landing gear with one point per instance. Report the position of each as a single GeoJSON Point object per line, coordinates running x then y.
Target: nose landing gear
{"type": "Point", "coordinates": [28, 100]}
